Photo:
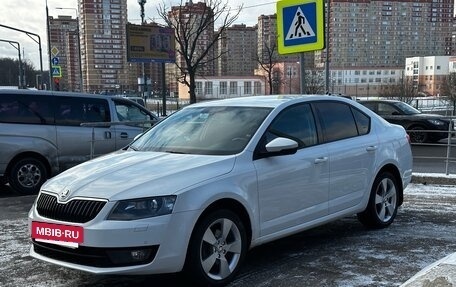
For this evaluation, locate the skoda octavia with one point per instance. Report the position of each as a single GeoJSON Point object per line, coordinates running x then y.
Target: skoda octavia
{"type": "Point", "coordinates": [204, 185]}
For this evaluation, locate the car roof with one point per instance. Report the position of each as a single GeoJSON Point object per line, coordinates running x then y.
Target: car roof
{"type": "Point", "coordinates": [270, 101]}
{"type": "Point", "coordinates": [53, 93]}
{"type": "Point", "coordinates": [379, 101]}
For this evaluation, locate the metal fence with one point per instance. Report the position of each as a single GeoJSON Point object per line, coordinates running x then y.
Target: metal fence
{"type": "Point", "coordinates": [438, 106]}
{"type": "Point", "coordinates": [446, 158]}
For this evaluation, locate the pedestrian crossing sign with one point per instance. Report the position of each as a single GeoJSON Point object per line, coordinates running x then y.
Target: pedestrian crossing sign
{"type": "Point", "coordinates": [56, 71]}
{"type": "Point", "coordinates": [300, 26]}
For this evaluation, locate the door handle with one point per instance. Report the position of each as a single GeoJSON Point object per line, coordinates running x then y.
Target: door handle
{"type": "Point", "coordinates": [107, 135]}
{"type": "Point", "coordinates": [124, 135]}
{"type": "Point", "coordinates": [371, 148]}
{"type": "Point", "coordinates": [321, 159]}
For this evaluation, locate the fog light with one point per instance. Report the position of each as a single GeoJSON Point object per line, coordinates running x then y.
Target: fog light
{"type": "Point", "coordinates": [140, 255]}
{"type": "Point", "coordinates": [132, 256]}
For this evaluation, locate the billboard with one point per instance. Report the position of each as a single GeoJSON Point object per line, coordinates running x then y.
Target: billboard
{"type": "Point", "coordinates": [150, 44]}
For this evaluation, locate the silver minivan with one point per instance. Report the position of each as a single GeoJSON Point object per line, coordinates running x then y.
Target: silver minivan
{"type": "Point", "coordinates": [43, 133]}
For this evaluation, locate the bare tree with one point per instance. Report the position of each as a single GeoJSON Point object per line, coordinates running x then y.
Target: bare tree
{"type": "Point", "coordinates": [403, 91]}
{"type": "Point", "coordinates": [315, 82]}
{"type": "Point", "coordinates": [192, 23]}
{"type": "Point", "coordinates": [267, 63]}
{"type": "Point", "coordinates": [448, 89]}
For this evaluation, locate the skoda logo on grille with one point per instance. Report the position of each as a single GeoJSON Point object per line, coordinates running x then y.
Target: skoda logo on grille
{"type": "Point", "coordinates": [63, 195]}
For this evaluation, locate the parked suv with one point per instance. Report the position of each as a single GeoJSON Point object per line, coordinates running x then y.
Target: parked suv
{"type": "Point", "coordinates": [43, 133]}
{"type": "Point", "coordinates": [421, 127]}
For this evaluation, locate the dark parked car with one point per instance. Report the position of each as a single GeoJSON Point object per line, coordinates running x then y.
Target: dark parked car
{"type": "Point", "coordinates": [421, 127]}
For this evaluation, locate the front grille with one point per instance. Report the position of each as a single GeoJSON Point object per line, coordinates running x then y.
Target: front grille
{"type": "Point", "coordinates": [77, 210]}
{"type": "Point", "coordinates": [94, 256]}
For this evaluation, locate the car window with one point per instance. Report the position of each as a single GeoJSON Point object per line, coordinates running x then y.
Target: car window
{"type": "Point", "coordinates": [337, 121]}
{"type": "Point", "coordinates": [362, 121]}
{"type": "Point", "coordinates": [385, 109]}
{"type": "Point", "coordinates": [296, 123]}
{"type": "Point", "coordinates": [26, 109]}
{"type": "Point", "coordinates": [129, 112]}
{"type": "Point", "coordinates": [370, 106]}
{"type": "Point", "coordinates": [209, 130]}
{"type": "Point", "coordinates": [73, 111]}
{"type": "Point", "coordinates": [407, 109]}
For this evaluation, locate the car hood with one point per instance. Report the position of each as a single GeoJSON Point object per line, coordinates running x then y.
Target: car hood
{"type": "Point", "coordinates": [131, 174]}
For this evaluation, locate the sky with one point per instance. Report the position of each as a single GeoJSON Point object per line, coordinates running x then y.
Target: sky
{"type": "Point", "coordinates": [30, 16]}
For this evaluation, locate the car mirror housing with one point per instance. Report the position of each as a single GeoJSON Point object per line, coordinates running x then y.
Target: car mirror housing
{"type": "Point", "coordinates": [282, 146]}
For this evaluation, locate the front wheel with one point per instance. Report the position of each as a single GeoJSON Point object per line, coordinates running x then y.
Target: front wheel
{"type": "Point", "coordinates": [217, 249]}
{"type": "Point", "coordinates": [417, 135]}
{"type": "Point", "coordinates": [27, 175]}
{"type": "Point", "coordinates": [383, 202]}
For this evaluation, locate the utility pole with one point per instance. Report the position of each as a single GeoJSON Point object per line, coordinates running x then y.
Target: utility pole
{"type": "Point", "coordinates": [81, 84]}
{"type": "Point", "coordinates": [141, 4]}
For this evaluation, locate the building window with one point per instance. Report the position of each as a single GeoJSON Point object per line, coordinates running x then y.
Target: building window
{"type": "Point", "coordinates": [233, 88]}
{"type": "Point", "coordinates": [199, 88]}
{"type": "Point", "coordinates": [257, 88]}
{"type": "Point", "coordinates": [208, 88]}
{"type": "Point", "coordinates": [223, 88]}
{"type": "Point", "coordinates": [247, 88]}
{"type": "Point", "coordinates": [438, 67]}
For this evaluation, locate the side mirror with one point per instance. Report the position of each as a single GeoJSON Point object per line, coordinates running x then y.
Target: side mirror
{"type": "Point", "coordinates": [282, 146]}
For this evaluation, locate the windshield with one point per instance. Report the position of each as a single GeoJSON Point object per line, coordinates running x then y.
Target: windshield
{"type": "Point", "coordinates": [204, 130]}
{"type": "Point", "coordinates": [407, 109]}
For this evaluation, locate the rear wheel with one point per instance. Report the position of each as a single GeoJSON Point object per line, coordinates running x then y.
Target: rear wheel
{"type": "Point", "coordinates": [27, 175]}
{"type": "Point", "coordinates": [383, 202]}
{"type": "Point", "coordinates": [217, 249]}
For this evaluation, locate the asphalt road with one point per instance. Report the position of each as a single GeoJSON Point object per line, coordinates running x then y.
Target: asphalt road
{"type": "Point", "coordinates": [432, 158]}
{"type": "Point", "coordinates": [342, 253]}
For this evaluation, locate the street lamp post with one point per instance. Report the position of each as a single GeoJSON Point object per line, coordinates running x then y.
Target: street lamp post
{"type": "Point", "coordinates": [289, 76]}
{"type": "Point", "coordinates": [141, 5]}
{"type": "Point", "coordinates": [81, 84]}
{"type": "Point", "coordinates": [21, 73]}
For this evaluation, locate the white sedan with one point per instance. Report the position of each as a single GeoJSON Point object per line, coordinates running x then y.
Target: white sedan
{"type": "Point", "coordinates": [200, 188]}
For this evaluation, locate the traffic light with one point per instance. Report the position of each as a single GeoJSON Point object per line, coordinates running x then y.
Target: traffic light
{"type": "Point", "coordinates": [56, 84]}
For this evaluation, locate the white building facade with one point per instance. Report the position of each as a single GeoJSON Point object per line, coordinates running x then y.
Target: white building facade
{"type": "Point", "coordinates": [428, 73]}
{"type": "Point", "coordinates": [209, 88]}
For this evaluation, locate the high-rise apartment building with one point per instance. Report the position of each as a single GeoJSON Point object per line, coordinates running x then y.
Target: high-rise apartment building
{"type": "Point", "coordinates": [238, 51]}
{"type": "Point", "coordinates": [63, 39]}
{"type": "Point", "coordinates": [267, 36]}
{"type": "Point", "coordinates": [369, 41]}
{"type": "Point", "coordinates": [103, 45]}
{"type": "Point", "coordinates": [367, 33]}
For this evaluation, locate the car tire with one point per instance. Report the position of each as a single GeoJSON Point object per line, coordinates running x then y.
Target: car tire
{"type": "Point", "coordinates": [3, 180]}
{"type": "Point", "coordinates": [27, 175]}
{"type": "Point", "coordinates": [217, 249]}
{"type": "Point", "coordinates": [383, 202]}
{"type": "Point", "coordinates": [417, 135]}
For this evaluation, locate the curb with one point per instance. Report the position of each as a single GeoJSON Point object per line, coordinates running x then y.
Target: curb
{"type": "Point", "coordinates": [426, 178]}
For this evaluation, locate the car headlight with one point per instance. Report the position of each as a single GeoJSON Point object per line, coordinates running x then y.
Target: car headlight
{"type": "Point", "coordinates": [436, 122]}
{"type": "Point", "coordinates": [132, 209]}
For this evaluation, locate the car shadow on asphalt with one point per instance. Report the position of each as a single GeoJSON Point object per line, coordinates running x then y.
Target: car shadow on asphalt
{"type": "Point", "coordinates": [7, 191]}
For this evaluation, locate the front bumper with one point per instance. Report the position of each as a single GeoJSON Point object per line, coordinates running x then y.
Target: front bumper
{"type": "Point", "coordinates": [110, 247]}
